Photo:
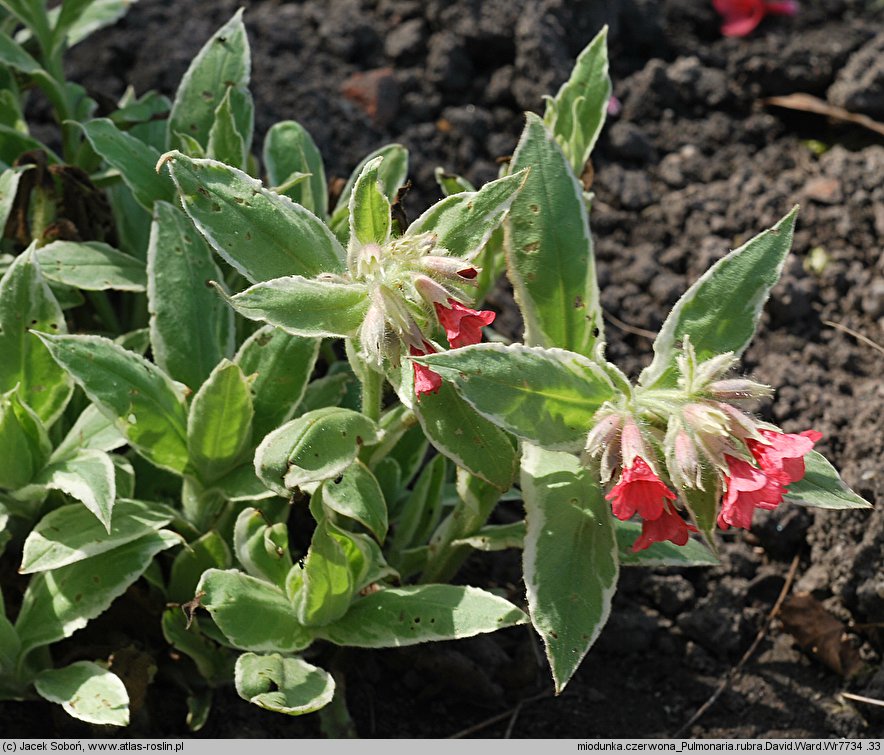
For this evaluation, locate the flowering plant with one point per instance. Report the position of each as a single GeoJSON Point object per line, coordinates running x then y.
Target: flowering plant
{"type": "Point", "coordinates": [359, 347]}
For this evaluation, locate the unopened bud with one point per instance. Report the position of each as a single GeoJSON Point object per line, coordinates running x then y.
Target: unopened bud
{"type": "Point", "coordinates": [603, 440]}
{"type": "Point", "coordinates": [449, 267]}
{"type": "Point", "coordinates": [368, 259]}
{"type": "Point", "coordinates": [632, 444]}
{"type": "Point", "coordinates": [706, 420]}
{"type": "Point", "coordinates": [737, 389]}
{"type": "Point", "coordinates": [373, 336]}
{"type": "Point", "coordinates": [685, 462]}
{"type": "Point", "coordinates": [742, 426]}
{"type": "Point", "coordinates": [430, 291]}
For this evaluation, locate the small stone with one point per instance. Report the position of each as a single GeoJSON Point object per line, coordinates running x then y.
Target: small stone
{"type": "Point", "coordinates": [630, 142]}
{"type": "Point", "coordinates": [375, 92]}
{"type": "Point", "coordinates": [824, 190]}
{"type": "Point", "coordinates": [405, 40]}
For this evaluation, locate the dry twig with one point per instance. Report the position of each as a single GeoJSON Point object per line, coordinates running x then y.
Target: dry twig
{"type": "Point", "coordinates": [512, 714]}
{"type": "Point", "coordinates": [734, 672]}
{"type": "Point", "coordinates": [861, 699]}
{"type": "Point", "coordinates": [857, 335]}
{"type": "Point", "coordinates": [627, 328]}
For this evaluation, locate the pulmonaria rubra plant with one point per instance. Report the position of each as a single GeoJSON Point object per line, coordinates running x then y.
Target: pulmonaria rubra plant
{"type": "Point", "coordinates": [741, 17]}
{"type": "Point", "coordinates": [691, 437]}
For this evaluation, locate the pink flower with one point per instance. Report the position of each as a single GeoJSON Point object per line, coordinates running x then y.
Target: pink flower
{"type": "Point", "coordinates": [614, 106]}
{"type": "Point", "coordinates": [747, 488]}
{"type": "Point", "coordinates": [668, 526]}
{"type": "Point", "coordinates": [639, 490]}
{"type": "Point", "coordinates": [742, 16]}
{"type": "Point", "coordinates": [781, 462]}
{"type": "Point", "coordinates": [463, 325]}
{"type": "Point", "coordinates": [782, 457]}
{"type": "Point", "coordinates": [425, 380]}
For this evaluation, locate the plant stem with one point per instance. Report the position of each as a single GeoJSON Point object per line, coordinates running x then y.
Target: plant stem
{"type": "Point", "coordinates": [372, 388]}
{"type": "Point", "coordinates": [477, 501]}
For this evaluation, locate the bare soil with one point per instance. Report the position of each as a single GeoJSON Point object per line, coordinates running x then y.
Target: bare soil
{"type": "Point", "coordinates": [693, 165]}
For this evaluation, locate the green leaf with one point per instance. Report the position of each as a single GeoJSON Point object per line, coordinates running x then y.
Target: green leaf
{"type": "Point", "coordinates": [330, 577]}
{"type": "Point", "coordinates": [15, 56]}
{"type": "Point", "coordinates": [420, 512]}
{"type": "Point", "coordinates": [547, 396]}
{"type": "Point", "coordinates": [252, 614]}
{"type": "Point", "coordinates": [720, 312]}
{"type": "Point", "coordinates": [87, 692]}
{"type": "Point", "coordinates": [219, 426]}
{"type": "Point", "coordinates": [283, 685]}
{"type": "Point", "coordinates": [822, 487]}
{"type": "Point", "coordinates": [396, 617]}
{"type": "Point", "coordinates": [26, 303]}
{"type": "Point", "coordinates": [464, 222]}
{"type": "Point", "coordinates": [549, 248]}
{"type": "Point", "coordinates": [91, 430]}
{"type": "Point", "coordinates": [694, 553]}
{"type": "Point", "coordinates": [9, 642]}
{"type": "Point", "coordinates": [356, 495]}
{"type": "Point", "coordinates": [289, 149]}
{"type": "Point", "coordinates": [70, 534]}
{"type": "Point", "coordinates": [226, 143]}
{"type": "Point", "coordinates": [59, 602]}
{"type": "Point", "coordinates": [278, 366]}
{"type": "Point", "coordinates": [451, 183]}
{"type": "Point", "coordinates": [260, 539]}
{"type": "Point", "coordinates": [24, 444]}
{"type": "Point", "coordinates": [209, 551]}
{"type": "Point", "coordinates": [135, 160]}
{"type": "Point", "coordinates": [495, 537]}
{"type": "Point", "coordinates": [146, 406]}
{"type": "Point", "coordinates": [305, 307]}
{"type": "Point", "coordinates": [392, 174]}
{"type": "Point", "coordinates": [325, 392]}
{"type": "Point", "coordinates": [369, 208]}
{"type": "Point", "coordinates": [69, 13]}
{"type": "Point", "coordinates": [91, 266]}
{"type": "Point", "coordinates": [570, 557]}
{"type": "Point", "coordinates": [260, 233]}
{"type": "Point", "coordinates": [90, 477]}
{"type": "Point", "coordinates": [467, 438]}
{"type": "Point", "coordinates": [314, 447]}
{"type": "Point", "coordinates": [32, 13]}
{"type": "Point", "coordinates": [577, 113]}
{"type": "Point", "coordinates": [241, 484]}
{"type": "Point", "coordinates": [9, 180]}
{"type": "Point", "coordinates": [191, 328]}
{"type": "Point", "coordinates": [97, 15]}
{"type": "Point", "coordinates": [223, 62]}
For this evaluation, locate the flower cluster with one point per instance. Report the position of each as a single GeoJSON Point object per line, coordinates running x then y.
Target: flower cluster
{"type": "Point", "coordinates": [694, 438]}
{"type": "Point", "coordinates": [414, 288]}
{"type": "Point", "coordinates": [742, 16]}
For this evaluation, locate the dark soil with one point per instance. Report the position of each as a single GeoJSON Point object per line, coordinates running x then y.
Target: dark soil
{"type": "Point", "coordinates": [693, 165]}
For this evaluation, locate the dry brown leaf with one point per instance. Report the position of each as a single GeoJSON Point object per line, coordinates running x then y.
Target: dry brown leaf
{"type": "Point", "coordinates": [807, 103]}
{"type": "Point", "coordinates": [819, 633]}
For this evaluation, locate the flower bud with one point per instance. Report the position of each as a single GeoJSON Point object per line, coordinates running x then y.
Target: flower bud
{"type": "Point", "coordinates": [449, 267]}
{"type": "Point", "coordinates": [705, 420]}
{"type": "Point", "coordinates": [603, 440]}
{"type": "Point", "coordinates": [373, 336]}
{"type": "Point", "coordinates": [737, 389]}
{"type": "Point", "coordinates": [632, 444]}
{"type": "Point", "coordinates": [430, 291]}
{"type": "Point", "coordinates": [684, 461]}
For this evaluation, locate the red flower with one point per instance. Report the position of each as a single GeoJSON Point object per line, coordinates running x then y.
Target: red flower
{"type": "Point", "coordinates": [668, 526]}
{"type": "Point", "coordinates": [782, 457]}
{"type": "Point", "coordinates": [781, 462]}
{"type": "Point", "coordinates": [742, 16]}
{"type": "Point", "coordinates": [639, 490]}
{"type": "Point", "coordinates": [463, 325]}
{"type": "Point", "coordinates": [425, 380]}
{"type": "Point", "coordinates": [747, 487]}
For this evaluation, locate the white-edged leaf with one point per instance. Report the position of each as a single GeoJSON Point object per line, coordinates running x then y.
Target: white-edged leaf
{"type": "Point", "coordinates": [91, 266]}
{"type": "Point", "coordinates": [283, 685]}
{"type": "Point", "coordinates": [70, 534]}
{"type": "Point", "coordinates": [569, 559]}
{"type": "Point", "coordinates": [89, 477]}
{"type": "Point", "coordinates": [87, 692]}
